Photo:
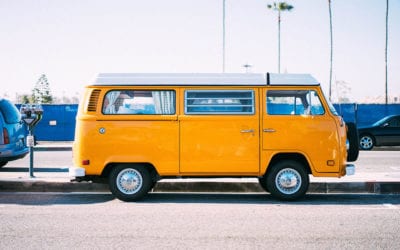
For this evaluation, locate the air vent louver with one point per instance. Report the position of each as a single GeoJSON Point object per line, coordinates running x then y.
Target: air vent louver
{"type": "Point", "coordinates": [94, 97]}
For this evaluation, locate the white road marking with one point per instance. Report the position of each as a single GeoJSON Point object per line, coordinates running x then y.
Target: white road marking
{"type": "Point", "coordinates": [390, 206]}
{"type": "Point", "coordinates": [379, 207]}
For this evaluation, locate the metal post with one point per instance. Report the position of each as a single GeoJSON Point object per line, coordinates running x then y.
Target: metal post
{"type": "Point", "coordinates": [31, 115]}
{"type": "Point", "coordinates": [31, 144]}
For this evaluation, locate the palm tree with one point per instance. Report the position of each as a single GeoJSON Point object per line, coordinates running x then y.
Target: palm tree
{"type": "Point", "coordinates": [331, 53]}
{"type": "Point", "coordinates": [279, 6]}
{"type": "Point", "coordinates": [386, 54]}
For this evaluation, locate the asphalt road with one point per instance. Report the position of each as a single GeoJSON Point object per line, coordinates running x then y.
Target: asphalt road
{"type": "Point", "coordinates": [198, 221]}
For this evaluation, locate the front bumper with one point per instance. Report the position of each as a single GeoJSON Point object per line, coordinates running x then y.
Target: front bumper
{"type": "Point", "coordinates": [350, 169]}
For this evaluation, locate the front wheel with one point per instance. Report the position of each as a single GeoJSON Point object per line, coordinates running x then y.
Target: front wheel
{"type": "Point", "coordinates": [366, 142]}
{"type": "Point", "coordinates": [129, 182]}
{"type": "Point", "coordinates": [287, 180]}
{"type": "Point", "coordinates": [352, 137]}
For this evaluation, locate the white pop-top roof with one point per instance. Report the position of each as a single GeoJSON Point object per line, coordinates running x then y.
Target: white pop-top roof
{"type": "Point", "coordinates": [224, 79]}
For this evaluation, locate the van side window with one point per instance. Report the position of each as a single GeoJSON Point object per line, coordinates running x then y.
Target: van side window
{"type": "Point", "coordinates": [139, 102]}
{"type": "Point", "coordinates": [219, 102]}
{"type": "Point", "coordinates": [294, 102]}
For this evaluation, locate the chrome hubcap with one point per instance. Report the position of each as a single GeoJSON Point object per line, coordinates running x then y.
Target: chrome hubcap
{"type": "Point", "coordinates": [366, 142]}
{"type": "Point", "coordinates": [288, 181]}
{"type": "Point", "coordinates": [129, 181]}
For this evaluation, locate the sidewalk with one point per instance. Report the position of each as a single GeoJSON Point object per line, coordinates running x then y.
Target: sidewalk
{"type": "Point", "coordinates": [58, 180]}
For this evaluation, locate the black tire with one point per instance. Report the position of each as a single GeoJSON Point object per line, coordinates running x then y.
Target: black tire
{"type": "Point", "coordinates": [263, 183]}
{"type": "Point", "coordinates": [352, 137]}
{"type": "Point", "coordinates": [153, 184]}
{"type": "Point", "coordinates": [367, 142]}
{"type": "Point", "coordinates": [288, 180]}
{"type": "Point", "coordinates": [130, 182]}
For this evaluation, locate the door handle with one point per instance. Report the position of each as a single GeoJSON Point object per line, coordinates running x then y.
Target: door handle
{"type": "Point", "coordinates": [247, 131]}
{"type": "Point", "coordinates": [269, 130]}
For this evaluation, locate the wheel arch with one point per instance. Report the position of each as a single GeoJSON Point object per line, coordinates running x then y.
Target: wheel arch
{"type": "Point", "coordinates": [289, 156]}
{"type": "Point", "coordinates": [150, 167]}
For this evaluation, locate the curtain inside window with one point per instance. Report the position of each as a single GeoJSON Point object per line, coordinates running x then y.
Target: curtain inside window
{"type": "Point", "coordinates": [164, 102]}
{"type": "Point", "coordinates": [112, 98]}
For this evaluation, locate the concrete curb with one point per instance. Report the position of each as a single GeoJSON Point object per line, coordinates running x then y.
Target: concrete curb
{"type": "Point", "coordinates": [227, 187]}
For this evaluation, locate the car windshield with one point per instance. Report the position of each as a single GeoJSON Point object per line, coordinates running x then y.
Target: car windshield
{"type": "Point", "coordinates": [9, 111]}
{"type": "Point", "coordinates": [381, 121]}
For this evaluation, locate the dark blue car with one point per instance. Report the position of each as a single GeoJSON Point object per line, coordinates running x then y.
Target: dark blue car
{"type": "Point", "coordinates": [12, 133]}
{"type": "Point", "coordinates": [385, 132]}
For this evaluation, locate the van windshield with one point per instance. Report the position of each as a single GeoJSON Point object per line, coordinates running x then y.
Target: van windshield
{"type": "Point", "coordinates": [331, 107]}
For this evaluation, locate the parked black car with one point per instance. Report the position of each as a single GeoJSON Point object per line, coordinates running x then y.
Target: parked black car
{"type": "Point", "coordinates": [385, 132]}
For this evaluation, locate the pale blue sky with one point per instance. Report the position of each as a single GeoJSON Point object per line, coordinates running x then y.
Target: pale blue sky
{"type": "Point", "coordinates": [71, 41]}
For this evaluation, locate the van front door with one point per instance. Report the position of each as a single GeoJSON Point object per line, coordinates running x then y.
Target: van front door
{"type": "Point", "coordinates": [295, 121]}
{"type": "Point", "coordinates": [219, 132]}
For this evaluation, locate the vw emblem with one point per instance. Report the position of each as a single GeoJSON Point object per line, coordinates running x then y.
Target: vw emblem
{"type": "Point", "coordinates": [102, 130]}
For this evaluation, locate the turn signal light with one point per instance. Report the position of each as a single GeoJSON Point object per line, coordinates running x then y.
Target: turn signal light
{"type": "Point", "coordinates": [85, 162]}
{"type": "Point", "coordinates": [330, 162]}
{"type": "Point", "coordinates": [6, 138]}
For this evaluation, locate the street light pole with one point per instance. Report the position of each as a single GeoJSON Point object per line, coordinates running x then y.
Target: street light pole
{"type": "Point", "coordinates": [223, 36]}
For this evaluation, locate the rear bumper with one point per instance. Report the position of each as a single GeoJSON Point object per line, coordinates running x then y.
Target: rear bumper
{"type": "Point", "coordinates": [350, 169]}
{"type": "Point", "coordinates": [9, 154]}
{"type": "Point", "coordinates": [76, 172]}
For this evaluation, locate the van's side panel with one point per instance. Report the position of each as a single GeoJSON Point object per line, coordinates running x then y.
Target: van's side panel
{"type": "Point", "coordinates": [220, 144]}
{"type": "Point", "coordinates": [105, 139]}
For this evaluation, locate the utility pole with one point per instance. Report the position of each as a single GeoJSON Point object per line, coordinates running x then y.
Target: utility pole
{"type": "Point", "coordinates": [223, 36]}
{"type": "Point", "coordinates": [386, 54]}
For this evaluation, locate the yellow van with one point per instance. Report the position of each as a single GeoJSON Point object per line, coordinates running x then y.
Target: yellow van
{"type": "Point", "coordinates": [136, 129]}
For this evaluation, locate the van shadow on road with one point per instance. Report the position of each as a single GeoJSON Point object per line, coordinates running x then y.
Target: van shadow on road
{"type": "Point", "coordinates": [46, 199]}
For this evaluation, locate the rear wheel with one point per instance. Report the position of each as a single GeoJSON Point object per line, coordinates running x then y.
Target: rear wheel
{"type": "Point", "coordinates": [130, 182]}
{"type": "Point", "coordinates": [366, 142]}
{"type": "Point", "coordinates": [287, 180]}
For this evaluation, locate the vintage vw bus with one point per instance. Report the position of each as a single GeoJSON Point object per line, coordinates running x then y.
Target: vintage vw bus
{"type": "Point", "coordinates": [136, 129]}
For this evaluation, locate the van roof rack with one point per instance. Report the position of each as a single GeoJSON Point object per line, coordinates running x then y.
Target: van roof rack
{"type": "Point", "coordinates": [202, 79]}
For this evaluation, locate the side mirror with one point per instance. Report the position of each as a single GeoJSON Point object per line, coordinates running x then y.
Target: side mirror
{"type": "Point", "coordinates": [385, 125]}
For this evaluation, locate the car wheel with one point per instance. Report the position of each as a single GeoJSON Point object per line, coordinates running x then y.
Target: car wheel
{"type": "Point", "coordinates": [287, 180]}
{"type": "Point", "coordinates": [352, 136]}
{"type": "Point", "coordinates": [366, 142]}
{"type": "Point", "coordinates": [3, 163]}
{"type": "Point", "coordinates": [130, 182]}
